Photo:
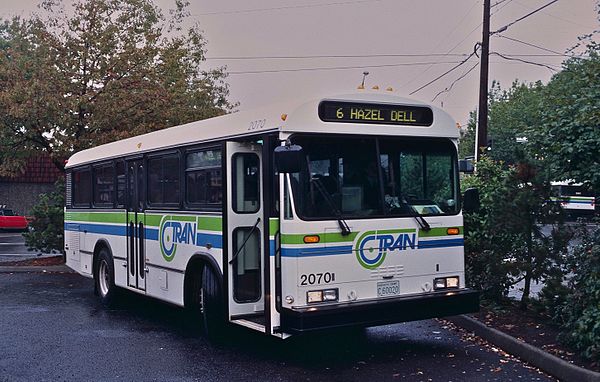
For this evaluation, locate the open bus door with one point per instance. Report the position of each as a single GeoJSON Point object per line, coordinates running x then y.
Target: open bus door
{"type": "Point", "coordinates": [244, 268]}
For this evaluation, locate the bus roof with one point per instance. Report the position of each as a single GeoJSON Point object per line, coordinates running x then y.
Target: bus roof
{"type": "Point", "coordinates": [290, 117]}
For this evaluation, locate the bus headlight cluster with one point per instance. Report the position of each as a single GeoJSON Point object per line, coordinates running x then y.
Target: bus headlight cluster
{"type": "Point", "coordinates": [451, 282]}
{"type": "Point", "coordinates": [324, 295]}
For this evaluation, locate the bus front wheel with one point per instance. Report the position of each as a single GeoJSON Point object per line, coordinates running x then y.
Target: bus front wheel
{"type": "Point", "coordinates": [104, 278]}
{"type": "Point", "coordinates": [211, 298]}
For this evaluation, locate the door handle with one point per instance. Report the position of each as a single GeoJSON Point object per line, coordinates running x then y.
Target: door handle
{"type": "Point", "coordinates": [146, 269]}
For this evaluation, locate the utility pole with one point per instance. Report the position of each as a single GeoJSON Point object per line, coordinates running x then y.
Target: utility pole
{"type": "Point", "coordinates": [482, 116]}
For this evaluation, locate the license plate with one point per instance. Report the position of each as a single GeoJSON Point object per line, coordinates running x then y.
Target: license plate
{"type": "Point", "coordinates": [388, 288]}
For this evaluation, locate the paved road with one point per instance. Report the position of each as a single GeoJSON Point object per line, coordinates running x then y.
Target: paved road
{"type": "Point", "coordinates": [12, 248]}
{"type": "Point", "coordinates": [54, 329]}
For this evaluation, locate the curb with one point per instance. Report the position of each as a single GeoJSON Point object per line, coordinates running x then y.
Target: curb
{"type": "Point", "coordinates": [549, 363]}
{"type": "Point", "coordinates": [35, 269]}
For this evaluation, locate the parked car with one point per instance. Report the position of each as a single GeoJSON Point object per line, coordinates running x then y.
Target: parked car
{"type": "Point", "coordinates": [11, 221]}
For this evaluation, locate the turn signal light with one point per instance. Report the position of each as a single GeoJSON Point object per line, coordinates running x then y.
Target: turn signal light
{"type": "Point", "coordinates": [311, 239]}
{"type": "Point", "coordinates": [453, 231]}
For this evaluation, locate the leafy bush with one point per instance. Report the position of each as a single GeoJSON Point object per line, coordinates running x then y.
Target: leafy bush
{"type": "Point", "coordinates": [504, 242]}
{"type": "Point", "coordinates": [46, 232]}
{"type": "Point", "coordinates": [580, 312]}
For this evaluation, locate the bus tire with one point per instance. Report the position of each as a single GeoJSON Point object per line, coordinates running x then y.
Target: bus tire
{"type": "Point", "coordinates": [213, 314]}
{"type": "Point", "coordinates": [104, 278]}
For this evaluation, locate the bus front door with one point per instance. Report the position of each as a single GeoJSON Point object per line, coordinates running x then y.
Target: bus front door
{"type": "Point", "coordinates": [136, 262]}
{"type": "Point", "coordinates": [245, 227]}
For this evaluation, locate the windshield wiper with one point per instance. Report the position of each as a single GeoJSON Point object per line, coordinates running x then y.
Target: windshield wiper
{"type": "Point", "coordinates": [415, 214]}
{"type": "Point", "coordinates": [338, 214]}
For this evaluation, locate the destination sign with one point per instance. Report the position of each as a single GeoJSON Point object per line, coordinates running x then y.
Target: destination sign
{"type": "Point", "coordinates": [385, 114]}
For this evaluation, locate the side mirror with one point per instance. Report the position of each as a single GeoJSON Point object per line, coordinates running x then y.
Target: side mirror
{"type": "Point", "coordinates": [466, 166]}
{"type": "Point", "coordinates": [288, 159]}
{"type": "Point", "coordinates": [471, 200]}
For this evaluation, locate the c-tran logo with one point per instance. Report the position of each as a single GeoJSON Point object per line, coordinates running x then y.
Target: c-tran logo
{"type": "Point", "coordinates": [373, 246]}
{"type": "Point", "coordinates": [173, 232]}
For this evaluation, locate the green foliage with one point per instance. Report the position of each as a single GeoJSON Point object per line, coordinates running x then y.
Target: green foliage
{"type": "Point", "coordinates": [504, 243]}
{"type": "Point", "coordinates": [46, 232]}
{"type": "Point", "coordinates": [96, 71]}
{"type": "Point", "coordinates": [466, 142]}
{"type": "Point", "coordinates": [580, 311]}
{"type": "Point", "coordinates": [567, 135]}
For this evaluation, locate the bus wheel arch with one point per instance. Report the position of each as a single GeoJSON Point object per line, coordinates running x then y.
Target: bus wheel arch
{"type": "Point", "coordinates": [203, 294]}
{"type": "Point", "coordinates": [103, 267]}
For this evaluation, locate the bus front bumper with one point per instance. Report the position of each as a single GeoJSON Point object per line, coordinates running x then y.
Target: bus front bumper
{"type": "Point", "coordinates": [380, 312]}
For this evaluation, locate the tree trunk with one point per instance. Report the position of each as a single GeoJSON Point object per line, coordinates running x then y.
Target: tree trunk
{"type": "Point", "coordinates": [526, 291]}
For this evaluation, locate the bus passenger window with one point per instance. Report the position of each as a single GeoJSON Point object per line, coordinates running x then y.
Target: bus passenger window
{"type": "Point", "coordinates": [163, 180]}
{"type": "Point", "coordinates": [203, 181]}
{"type": "Point", "coordinates": [82, 184]}
{"type": "Point", "coordinates": [246, 183]}
{"type": "Point", "coordinates": [120, 167]}
{"type": "Point", "coordinates": [104, 187]}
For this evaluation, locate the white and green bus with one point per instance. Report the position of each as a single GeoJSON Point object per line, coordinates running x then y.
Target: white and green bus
{"type": "Point", "coordinates": [340, 211]}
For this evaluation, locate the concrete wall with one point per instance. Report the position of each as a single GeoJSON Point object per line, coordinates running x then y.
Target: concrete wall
{"type": "Point", "coordinates": [21, 197]}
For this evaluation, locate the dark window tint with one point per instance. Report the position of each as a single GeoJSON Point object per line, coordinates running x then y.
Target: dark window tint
{"type": "Point", "coordinates": [82, 193]}
{"type": "Point", "coordinates": [120, 169]}
{"type": "Point", "coordinates": [163, 180]}
{"type": "Point", "coordinates": [104, 185]}
{"type": "Point", "coordinates": [203, 181]}
{"type": "Point", "coordinates": [246, 177]}
{"type": "Point", "coordinates": [246, 266]}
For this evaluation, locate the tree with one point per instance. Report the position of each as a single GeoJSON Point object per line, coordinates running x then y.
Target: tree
{"type": "Point", "coordinates": [512, 113]}
{"type": "Point", "coordinates": [46, 232]}
{"type": "Point", "coordinates": [113, 69]}
{"type": "Point", "coordinates": [504, 243]}
{"type": "Point", "coordinates": [567, 135]}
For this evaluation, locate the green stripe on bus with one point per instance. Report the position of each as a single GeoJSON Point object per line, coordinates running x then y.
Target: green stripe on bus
{"type": "Point", "coordinates": [273, 226]}
{"type": "Point", "coordinates": [206, 223]}
{"type": "Point", "coordinates": [329, 237]}
{"type": "Point", "coordinates": [438, 231]}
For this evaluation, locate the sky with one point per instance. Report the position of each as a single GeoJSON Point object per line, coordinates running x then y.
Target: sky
{"type": "Point", "coordinates": [278, 50]}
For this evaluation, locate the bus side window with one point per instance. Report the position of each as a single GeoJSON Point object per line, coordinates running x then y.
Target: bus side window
{"type": "Point", "coordinates": [82, 187]}
{"type": "Point", "coordinates": [120, 174]}
{"type": "Point", "coordinates": [104, 188]}
{"type": "Point", "coordinates": [203, 181]}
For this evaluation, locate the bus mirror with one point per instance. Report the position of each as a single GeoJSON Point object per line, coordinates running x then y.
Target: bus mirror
{"type": "Point", "coordinates": [471, 200]}
{"type": "Point", "coordinates": [466, 166]}
{"type": "Point", "coordinates": [288, 158]}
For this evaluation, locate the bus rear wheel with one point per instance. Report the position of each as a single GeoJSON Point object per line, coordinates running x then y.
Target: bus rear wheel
{"type": "Point", "coordinates": [104, 278]}
{"type": "Point", "coordinates": [211, 301]}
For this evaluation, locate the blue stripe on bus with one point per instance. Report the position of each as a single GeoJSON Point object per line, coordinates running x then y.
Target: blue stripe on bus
{"type": "Point", "coordinates": [458, 242]}
{"type": "Point", "coordinates": [116, 230]}
{"type": "Point", "coordinates": [216, 240]}
{"type": "Point", "coordinates": [322, 251]}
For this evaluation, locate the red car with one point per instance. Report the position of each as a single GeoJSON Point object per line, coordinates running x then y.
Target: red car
{"type": "Point", "coordinates": [8, 220]}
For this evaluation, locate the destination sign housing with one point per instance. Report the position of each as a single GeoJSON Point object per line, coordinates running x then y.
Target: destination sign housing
{"type": "Point", "coordinates": [387, 114]}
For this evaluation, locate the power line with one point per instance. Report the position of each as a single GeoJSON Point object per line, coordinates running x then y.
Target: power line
{"type": "Point", "coordinates": [333, 56]}
{"type": "Point", "coordinates": [454, 47]}
{"type": "Point", "coordinates": [523, 17]}
{"type": "Point", "coordinates": [284, 8]}
{"type": "Point", "coordinates": [338, 67]}
{"type": "Point", "coordinates": [443, 74]}
{"type": "Point", "coordinates": [449, 88]}
{"type": "Point", "coordinates": [524, 61]}
{"type": "Point", "coordinates": [533, 45]}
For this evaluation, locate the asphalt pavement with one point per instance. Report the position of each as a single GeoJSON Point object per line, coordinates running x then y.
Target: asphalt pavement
{"type": "Point", "coordinates": [13, 248]}
{"type": "Point", "coordinates": [53, 328]}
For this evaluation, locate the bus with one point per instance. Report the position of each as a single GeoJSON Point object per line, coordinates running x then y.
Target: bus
{"type": "Point", "coordinates": [333, 212]}
{"type": "Point", "coordinates": [574, 198]}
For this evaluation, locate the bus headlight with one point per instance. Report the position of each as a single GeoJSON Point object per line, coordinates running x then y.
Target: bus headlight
{"type": "Point", "coordinates": [451, 282]}
{"type": "Point", "coordinates": [323, 295]}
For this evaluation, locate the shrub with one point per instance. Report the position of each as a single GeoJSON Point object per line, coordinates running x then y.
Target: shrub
{"type": "Point", "coordinates": [46, 232]}
{"type": "Point", "coordinates": [580, 312]}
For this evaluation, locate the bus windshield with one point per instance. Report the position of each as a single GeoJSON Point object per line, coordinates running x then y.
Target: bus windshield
{"type": "Point", "coordinates": [361, 177]}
